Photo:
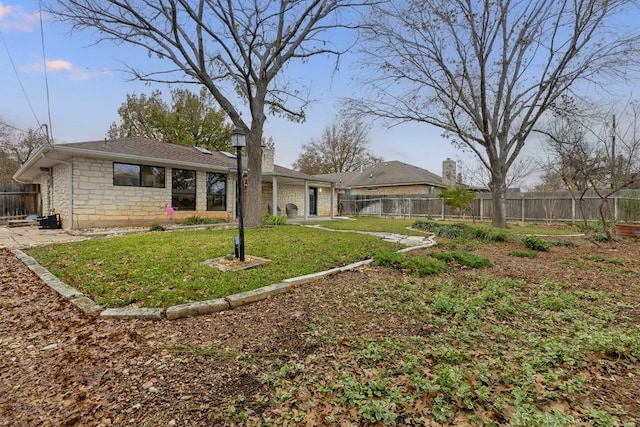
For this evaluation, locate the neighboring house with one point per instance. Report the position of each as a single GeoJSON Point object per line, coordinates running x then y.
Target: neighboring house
{"type": "Point", "coordinates": [134, 181]}
{"type": "Point", "coordinates": [394, 178]}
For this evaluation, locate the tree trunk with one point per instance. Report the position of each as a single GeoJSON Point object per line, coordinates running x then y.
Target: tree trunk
{"type": "Point", "coordinates": [498, 189]}
{"type": "Point", "coordinates": [253, 198]}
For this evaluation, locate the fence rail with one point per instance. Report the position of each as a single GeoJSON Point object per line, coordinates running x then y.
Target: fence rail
{"type": "Point", "coordinates": [525, 207]}
{"type": "Point", "coordinates": [17, 201]}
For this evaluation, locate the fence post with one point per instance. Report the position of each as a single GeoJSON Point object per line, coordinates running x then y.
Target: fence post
{"type": "Point", "coordinates": [442, 201]}
{"type": "Point", "coordinates": [615, 209]}
{"type": "Point", "coordinates": [573, 209]}
{"type": "Point", "coordinates": [522, 208]}
{"type": "Point", "coordinates": [481, 209]}
{"type": "Point", "coordinates": [410, 203]}
{"type": "Point", "coordinates": [380, 207]}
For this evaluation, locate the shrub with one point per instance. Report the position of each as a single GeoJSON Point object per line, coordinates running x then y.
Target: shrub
{"type": "Point", "coordinates": [462, 258]}
{"type": "Point", "coordinates": [523, 254]}
{"type": "Point", "coordinates": [424, 266]}
{"type": "Point", "coordinates": [448, 231]}
{"type": "Point", "coordinates": [389, 259]}
{"type": "Point", "coordinates": [536, 243]}
{"type": "Point", "coordinates": [564, 243]}
{"type": "Point", "coordinates": [490, 234]}
{"type": "Point", "coordinates": [157, 227]}
{"type": "Point", "coordinates": [196, 220]}
{"type": "Point", "coordinates": [274, 219]}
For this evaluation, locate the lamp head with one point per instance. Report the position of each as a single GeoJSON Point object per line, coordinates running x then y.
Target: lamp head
{"type": "Point", "coordinates": [238, 138]}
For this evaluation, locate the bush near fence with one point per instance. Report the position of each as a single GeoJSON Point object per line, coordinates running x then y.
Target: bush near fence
{"type": "Point", "coordinates": [533, 206]}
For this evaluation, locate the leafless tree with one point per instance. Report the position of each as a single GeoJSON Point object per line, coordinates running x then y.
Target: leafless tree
{"type": "Point", "coordinates": [475, 174]}
{"type": "Point", "coordinates": [485, 72]}
{"type": "Point", "coordinates": [16, 147]}
{"type": "Point", "coordinates": [596, 153]}
{"type": "Point", "coordinates": [343, 147]}
{"type": "Point", "coordinates": [237, 50]}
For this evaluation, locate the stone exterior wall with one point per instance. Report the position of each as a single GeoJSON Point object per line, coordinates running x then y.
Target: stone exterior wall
{"type": "Point", "coordinates": [99, 203]}
{"type": "Point", "coordinates": [397, 190]}
{"type": "Point", "coordinates": [288, 193]}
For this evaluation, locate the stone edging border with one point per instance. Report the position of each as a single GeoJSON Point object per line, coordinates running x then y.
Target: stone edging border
{"type": "Point", "coordinates": [230, 302]}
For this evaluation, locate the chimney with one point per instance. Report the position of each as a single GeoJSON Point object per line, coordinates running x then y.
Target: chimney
{"type": "Point", "coordinates": [449, 173]}
{"type": "Point", "coordinates": [267, 159]}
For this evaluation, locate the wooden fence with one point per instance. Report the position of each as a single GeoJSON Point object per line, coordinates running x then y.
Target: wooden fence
{"type": "Point", "coordinates": [17, 201]}
{"type": "Point", "coordinates": [547, 207]}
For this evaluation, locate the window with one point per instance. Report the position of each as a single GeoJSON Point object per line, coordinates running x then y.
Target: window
{"type": "Point", "coordinates": [137, 175]}
{"type": "Point", "coordinates": [216, 191]}
{"type": "Point", "coordinates": [183, 189]}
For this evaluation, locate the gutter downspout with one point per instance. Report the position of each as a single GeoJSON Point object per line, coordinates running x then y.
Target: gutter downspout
{"type": "Point", "coordinates": [70, 202]}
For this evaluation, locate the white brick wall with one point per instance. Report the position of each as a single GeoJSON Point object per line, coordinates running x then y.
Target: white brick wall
{"type": "Point", "coordinates": [98, 203]}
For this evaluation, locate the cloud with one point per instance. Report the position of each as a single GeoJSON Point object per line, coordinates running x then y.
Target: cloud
{"type": "Point", "coordinates": [61, 65]}
{"type": "Point", "coordinates": [15, 18]}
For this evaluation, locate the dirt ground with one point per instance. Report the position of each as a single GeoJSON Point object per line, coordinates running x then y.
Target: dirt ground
{"type": "Point", "coordinates": [61, 368]}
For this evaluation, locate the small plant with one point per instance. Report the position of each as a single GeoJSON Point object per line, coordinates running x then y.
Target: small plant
{"type": "Point", "coordinates": [389, 259]}
{"type": "Point", "coordinates": [425, 266]}
{"type": "Point", "coordinates": [157, 227]}
{"type": "Point", "coordinates": [196, 220]}
{"type": "Point", "coordinates": [523, 254]}
{"type": "Point", "coordinates": [274, 219]}
{"type": "Point", "coordinates": [490, 234]}
{"type": "Point", "coordinates": [462, 258]}
{"type": "Point", "coordinates": [564, 243]}
{"type": "Point", "coordinates": [536, 243]}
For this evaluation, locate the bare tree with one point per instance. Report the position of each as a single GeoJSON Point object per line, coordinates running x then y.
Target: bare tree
{"type": "Point", "coordinates": [343, 147]}
{"type": "Point", "coordinates": [237, 50]}
{"type": "Point", "coordinates": [486, 72]}
{"type": "Point", "coordinates": [16, 147]}
{"type": "Point", "coordinates": [475, 174]}
{"type": "Point", "coordinates": [585, 156]}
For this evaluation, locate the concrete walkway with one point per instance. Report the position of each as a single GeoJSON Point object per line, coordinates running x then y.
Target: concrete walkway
{"type": "Point", "coordinates": [30, 236]}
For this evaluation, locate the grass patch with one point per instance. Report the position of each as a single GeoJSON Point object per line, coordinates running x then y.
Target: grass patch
{"type": "Point", "coordinates": [431, 263]}
{"type": "Point", "coordinates": [163, 269]}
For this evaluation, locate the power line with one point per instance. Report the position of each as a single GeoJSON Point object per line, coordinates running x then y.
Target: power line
{"type": "Point", "coordinates": [15, 70]}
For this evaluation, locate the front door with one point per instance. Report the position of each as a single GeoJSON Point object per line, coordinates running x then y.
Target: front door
{"type": "Point", "coordinates": [313, 201]}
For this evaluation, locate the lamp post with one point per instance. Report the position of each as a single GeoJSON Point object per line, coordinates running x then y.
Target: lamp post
{"type": "Point", "coordinates": [239, 140]}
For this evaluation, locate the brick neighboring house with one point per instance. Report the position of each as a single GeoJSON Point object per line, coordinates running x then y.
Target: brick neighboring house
{"type": "Point", "coordinates": [130, 181]}
{"type": "Point", "coordinates": [394, 178]}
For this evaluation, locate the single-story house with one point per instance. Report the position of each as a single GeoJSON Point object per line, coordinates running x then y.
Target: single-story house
{"type": "Point", "coordinates": [394, 178]}
{"type": "Point", "coordinates": [136, 181]}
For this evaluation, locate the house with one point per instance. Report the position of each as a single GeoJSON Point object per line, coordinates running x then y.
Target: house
{"type": "Point", "coordinates": [394, 178]}
{"type": "Point", "coordinates": [135, 181]}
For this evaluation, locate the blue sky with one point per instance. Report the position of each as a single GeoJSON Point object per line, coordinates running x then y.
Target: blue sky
{"type": "Point", "coordinates": [86, 87]}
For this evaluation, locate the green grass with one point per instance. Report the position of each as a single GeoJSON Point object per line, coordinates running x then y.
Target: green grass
{"type": "Point", "coordinates": [164, 269]}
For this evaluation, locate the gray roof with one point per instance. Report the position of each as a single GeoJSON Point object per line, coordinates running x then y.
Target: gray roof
{"type": "Point", "coordinates": [385, 174]}
{"type": "Point", "coordinates": [141, 151]}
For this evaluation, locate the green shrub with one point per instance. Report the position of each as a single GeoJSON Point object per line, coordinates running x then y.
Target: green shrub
{"type": "Point", "coordinates": [424, 266]}
{"type": "Point", "coordinates": [157, 227]}
{"type": "Point", "coordinates": [448, 231]}
{"type": "Point", "coordinates": [196, 220]}
{"type": "Point", "coordinates": [523, 254]}
{"type": "Point", "coordinates": [389, 259]}
{"type": "Point", "coordinates": [490, 234]}
{"type": "Point", "coordinates": [462, 258]}
{"type": "Point", "coordinates": [564, 243]}
{"type": "Point", "coordinates": [274, 219]}
{"type": "Point", "coordinates": [536, 243]}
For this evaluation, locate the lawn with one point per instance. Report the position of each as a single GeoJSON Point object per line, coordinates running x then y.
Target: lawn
{"type": "Point", "coordinates": [161, 269]}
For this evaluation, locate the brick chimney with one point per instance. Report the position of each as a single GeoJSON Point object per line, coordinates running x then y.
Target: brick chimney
{"type": "Point", "coordinates": [449, 173]}
{"type": "Point", "coordinates": [267, 159]}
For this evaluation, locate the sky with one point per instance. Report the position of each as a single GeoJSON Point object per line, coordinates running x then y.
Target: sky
{"type": "Point", "coordinates": [84, 87]}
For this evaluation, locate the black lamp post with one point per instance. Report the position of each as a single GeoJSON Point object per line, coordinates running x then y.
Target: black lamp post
{"type": "Point", "coordinates": [238, 140]}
